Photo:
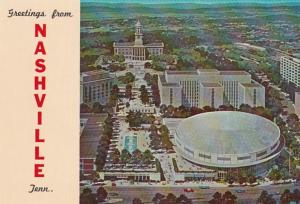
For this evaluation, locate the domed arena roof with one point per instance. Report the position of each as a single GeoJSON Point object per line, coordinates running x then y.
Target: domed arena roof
{"type": "Point", "coordinates": [228, 133]}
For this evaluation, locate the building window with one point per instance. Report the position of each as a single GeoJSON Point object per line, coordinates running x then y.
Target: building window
{"type": "Point", "coordinates": [244, 158]}
{"type": "Point", "coordinates": [90, 94]}
{"type": "Point", "coordinates": [204, 156]}
{"type": "Point", "coordinates": [171, 96]}
{"type": "Point", "coordinates": [254, 97]}
{"type": "Point", "coordinates": [189, 151]}
{"type": "Point", "coordinates": [212, 98]}
{"type": "Point", "coordinates": [261, 154]}
{"type": "Point", "coordinates": [223, 158]}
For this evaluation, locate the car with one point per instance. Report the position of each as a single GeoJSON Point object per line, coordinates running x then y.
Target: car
{"type": "Point", "coordinates": [188, 190]}
{"type": "Point", "coordinates": [98, 184]}
{"type": "Point", "coordinates": [275, 193]}
{"type": "Point", "coordinates": [240, 191]}
{"type": "Point", "coordinates": [204, 187]}
{"type": "Point", "coordinates": [113, 194]}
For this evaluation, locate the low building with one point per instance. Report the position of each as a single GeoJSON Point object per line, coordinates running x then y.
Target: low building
{"type": "Point", "coordinates": [297, 103]}
{"type": "Point", "coordinates": [91, 132]}
{"type": "Point", "coordinates": [95, 86]}
{"type": "Point", "coordinates": [130, 175]}
{"type": "Point", "coordinates": [228, 141]}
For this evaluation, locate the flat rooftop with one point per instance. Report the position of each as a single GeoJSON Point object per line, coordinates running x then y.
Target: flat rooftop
{"type": "Point", "coordinates": [208, 84]}
{"type": "Point", "coordinates": [208, 70]}
{"type": "Point", "coordinates": [194, 72]}
{"type": "Point", "coordinates": [250, 85]}
{"type": "Point", "coordinates": [123, 44]}
{"type": "Point", "coordinates": [155, 44]}
{"type": "Point", "coordinates": [165, 83]}
{"type": "Point", "coordinates": [234, 73]}
{"type": "Point", "coordinates": [91, 134]}
{"type": "Point", "coordinates": [95, 75]}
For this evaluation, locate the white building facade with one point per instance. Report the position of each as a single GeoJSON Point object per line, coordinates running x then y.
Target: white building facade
{"type": "Point", "coordinates": [210, 87]}
{"type": "Point", "coordinates": [252, 94]}
{"type": "Point", "coordinates": [290, 69]}
{"type": "Point", "coordinates": [137, 50]}
{"type": "Point", "coordinates": [95, 86]}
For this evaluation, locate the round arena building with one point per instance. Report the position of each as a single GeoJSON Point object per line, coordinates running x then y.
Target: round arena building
{"type": "Point", "coordinates": [229, 140]}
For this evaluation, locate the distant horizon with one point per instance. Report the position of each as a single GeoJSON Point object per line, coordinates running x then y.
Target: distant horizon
{"type": "Point", "coordinates": [204, 2]}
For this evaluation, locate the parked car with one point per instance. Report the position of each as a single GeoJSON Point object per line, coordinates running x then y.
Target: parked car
{"type": "Point", "coordinates": [188, 190]}
{"type": "Point", "coordinates": [240, 191]}
{"type": "Point", "coordinates": [204, 187]}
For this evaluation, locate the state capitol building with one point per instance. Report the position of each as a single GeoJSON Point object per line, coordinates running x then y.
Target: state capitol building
{"type": "Point", "coordinates": [137, 50]}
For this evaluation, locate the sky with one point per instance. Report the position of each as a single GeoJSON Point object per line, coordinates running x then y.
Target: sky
{"type": "Point", "coordinates": [194, 1]}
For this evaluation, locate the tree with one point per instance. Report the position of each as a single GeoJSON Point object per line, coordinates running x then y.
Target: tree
{"type": "Point", "coordinates": [157, 198]}
{"type": "Point", "coordinates": [251, 179]}
{"type": "Point", "coordinates": [84, 108]}
{"type": "Point", "coordinates": [163, 108]}
{"type": "Point", "coordinates": [217, 198]}
{"type": "Point", "coordinates": [101, 194]}
{"type": "Point", "coordinates": [183, 199]}
{"type": "Point", "coordinates": [129, 77]}
{"type": "Point", "coordinates": [292, 119]}
{"type": "Point", "coordinates": [125, 156]}
{"type": "Point", "coordinates": [147, 78]}
{"type": "Point", "coordinates": [147, 65]}
{"type": "Point", "coordinates": [136, 156]}
{"type": "Point", "coordinates": [144, 95]}
{"type": "Point", "coordinates": [170, 110]}
{"type": "Point", "coordinates": [137, 201]}
{"type": "Point", "coordinates": [164, 129]}
{"type": "Point", "coordinates": [86, 197]}
{"type": "Point", "coordinates": [275, 175]}
{"type": "Point", "coordinates": [296, 195]}
{"type": "Point", "coordinates": [208, 109]}
{"type": "Point", "coordinates": [115, 89]}
{"type": "Point", "coordinates": [97, 108]}
{"type": "Point", "coordinates": [245, 108]}
{"type": "Point", "coordinates": [128, 91]}
{"type": "Point", "coordinates": [265, 198]}
{"type": "Point", "coordinates": [171, 198]}
{"type": "Point", "coordinates": [115, 156]}
{"type": "Point", "coordinates": [286, 197]}
{"type": "Point", "coordinates": [147, 157]}
{"type": "Point", "coordinates": [228, 198]}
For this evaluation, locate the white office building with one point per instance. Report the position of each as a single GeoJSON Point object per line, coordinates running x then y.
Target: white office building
{"type": "Point", "coordinates": [252, 94]}
{"type": "Point", "coordinates": [290, 69]}
{"type": "Point", "coordinates": [210, 87]}
{"type": "Point", "coordinates": [95, 86]}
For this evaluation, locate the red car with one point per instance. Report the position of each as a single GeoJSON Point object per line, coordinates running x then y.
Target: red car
{"type": "Point", "coordinates": [188, 190]}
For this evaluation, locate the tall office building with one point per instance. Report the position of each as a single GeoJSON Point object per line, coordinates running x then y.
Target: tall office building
{"type": "Point", "coordinates": [96, 86]}
{"type": "Point", "coordinates": [230, 81]}
{"type": "Point", "coordinates": [252, 94]}
{"type": "Point", "coordinates": [211, 94]}
{"type": "Point", "coordinates": [297, 103]}
{"type": "Point", "coordinates": [188, 81]}
{"type": "Point", "coordinates": [210, 87]}
{"type": "Point", "coordinates": [290, 69]}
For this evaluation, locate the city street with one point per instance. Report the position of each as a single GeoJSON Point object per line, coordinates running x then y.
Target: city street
{"type": "Point", "coordinates": [127, 194]}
